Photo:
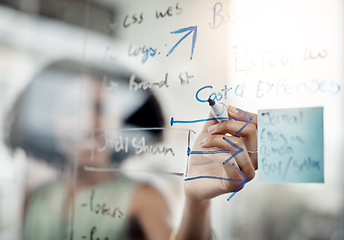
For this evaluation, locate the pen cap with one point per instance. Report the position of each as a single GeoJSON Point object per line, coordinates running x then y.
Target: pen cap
{"type": "Point", "coordinates": [216, 108]}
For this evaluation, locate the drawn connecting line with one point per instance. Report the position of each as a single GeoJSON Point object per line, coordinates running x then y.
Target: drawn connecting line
{"type": "Point", "coordinates": [239, 150]}
{"type": "Point", "coordinates": [189, 30]}
{"type": "Point", "coordinates": [233, 153]}
{"type": "Point", "coordinates": [247, 117]}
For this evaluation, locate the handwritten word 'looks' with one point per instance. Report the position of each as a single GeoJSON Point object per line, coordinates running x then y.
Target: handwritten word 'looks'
{"type": "Point", "coordinates": [132, 144]}
{"type": "Point", "coordinates": [146, 52]}
{"type": "Point", "coordinates": [204, 93]}
{"type": "Point", "coordinates": [283, 87]}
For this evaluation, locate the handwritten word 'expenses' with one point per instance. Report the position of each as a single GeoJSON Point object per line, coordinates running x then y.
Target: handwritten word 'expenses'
{"type": "Point", "coordinates": [284, 87]}
{"type": "Point", "coordinates": [290, 145]}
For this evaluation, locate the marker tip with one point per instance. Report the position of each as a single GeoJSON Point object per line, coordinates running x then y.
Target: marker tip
{"type": "Point", "coordinates": [211, 102]}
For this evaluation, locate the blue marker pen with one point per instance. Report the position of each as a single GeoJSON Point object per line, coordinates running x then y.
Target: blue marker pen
{"type": "Point", "coordinates": [218, 110]}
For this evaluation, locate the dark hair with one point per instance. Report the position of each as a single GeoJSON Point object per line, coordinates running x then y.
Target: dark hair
{"type": "Point", "coordinates": [21, 130]}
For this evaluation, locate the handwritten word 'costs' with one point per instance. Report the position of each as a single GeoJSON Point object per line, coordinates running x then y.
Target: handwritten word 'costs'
{"type": "Point", "coordinates": [206, 92]}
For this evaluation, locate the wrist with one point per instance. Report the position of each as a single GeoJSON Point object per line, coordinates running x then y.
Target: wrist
{"type": "Point", "coordinates": [199, 205]}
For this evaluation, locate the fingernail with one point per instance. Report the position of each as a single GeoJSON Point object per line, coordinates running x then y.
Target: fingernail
{"type": "Point", "coordinates": [233, 109]}
{"type": "Point", "coordinates": [212, 128]}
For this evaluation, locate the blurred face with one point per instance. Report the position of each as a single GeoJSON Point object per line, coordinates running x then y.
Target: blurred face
{"type": "Point", "coordinates": [85, 115]}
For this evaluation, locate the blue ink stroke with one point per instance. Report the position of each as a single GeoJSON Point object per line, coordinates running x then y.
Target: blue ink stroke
{"type": "Point", "coordinates": [233, 152]}
{"type": "Point", "coordinates": [240, 186]}
{"type": "Point", "coordinates": [247, 116]}
{"type": "Point", "coordinates": [243, 182]}
{"type": "Point", "coordinates": [189, 152]}
{"type": "Point", "coordinates": [239, 150]}
{"type": "Point", "coordinates": [213, 177]}
{"type": "Point", "coordinates": [191, 29]}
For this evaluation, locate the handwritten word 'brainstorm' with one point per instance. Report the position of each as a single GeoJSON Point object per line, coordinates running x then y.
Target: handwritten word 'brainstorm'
{"type": "Point", "coordinates": [126, 144]}
{"type": "Point", "coordinates": [290, 145]}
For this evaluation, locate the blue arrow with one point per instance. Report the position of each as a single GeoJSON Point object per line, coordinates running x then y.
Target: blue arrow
{"type": "Point", "coordinates": [234, 152]}
{"type": "Point", "coordinates": [247, 116]}
{"type": "Point", "coordinates": [243, 182]}
{"type": "Point", "coordinates": [194, 37]}
{"type": "Point", "coordinates": [189, 152]}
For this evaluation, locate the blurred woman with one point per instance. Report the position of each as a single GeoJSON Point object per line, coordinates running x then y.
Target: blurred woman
{"type": "Point", "coordinates": [70, 116]}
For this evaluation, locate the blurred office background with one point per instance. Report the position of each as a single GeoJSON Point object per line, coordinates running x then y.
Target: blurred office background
{"type": "Point", "coordinates": [34, 33]}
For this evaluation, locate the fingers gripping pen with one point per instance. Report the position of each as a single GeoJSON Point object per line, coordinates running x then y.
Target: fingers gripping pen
{"type": "Point", "coordinates": [218, 110]}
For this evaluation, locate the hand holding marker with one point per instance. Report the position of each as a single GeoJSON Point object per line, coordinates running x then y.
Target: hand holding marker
{"type": "Point", "coordinates": [220, 113]}
{"type": "Point", "coordinates": [218, 110]}
{"type": "Point", "coordinates": [222, 142]}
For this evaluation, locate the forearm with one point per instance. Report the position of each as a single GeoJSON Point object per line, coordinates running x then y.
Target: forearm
{"type": "Point", "coordinates": [196, 221]}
